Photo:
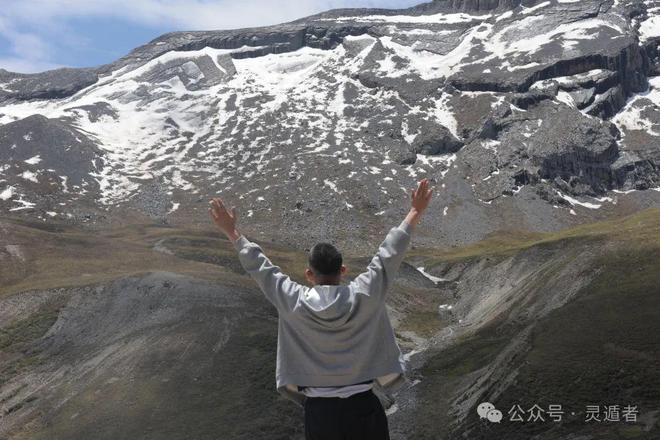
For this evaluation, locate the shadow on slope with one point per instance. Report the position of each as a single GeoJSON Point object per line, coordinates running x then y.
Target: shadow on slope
{"type": "Point", "coordinates": [592, 338]}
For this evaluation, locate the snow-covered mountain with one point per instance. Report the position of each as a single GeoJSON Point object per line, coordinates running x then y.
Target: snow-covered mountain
{"type": "Point", "coordinates": [527, 114]}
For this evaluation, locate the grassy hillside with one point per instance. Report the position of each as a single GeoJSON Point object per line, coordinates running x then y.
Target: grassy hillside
{"type": "Point", "coordinates": [159, 328]}
{"type": "Point", "coordinates": [601, 348]}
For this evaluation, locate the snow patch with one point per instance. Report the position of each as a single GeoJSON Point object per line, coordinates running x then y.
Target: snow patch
{"type": "Point", "coordinates": [7, 193]}
{"type": "Point", "coordinates": [332, 185]}
{"type": "Point", "coordinates": [29, 175]}
{"type": "Point", "coordinates": [33, 160]}
{"type": "Point", "coordinates": [433, 278]}
{"type": "Point", "coordinates": [431, 19]}
{"type": "Point", "coordinates": [649, 28]}
{"type": "Point", "coordinates": [574, 201]}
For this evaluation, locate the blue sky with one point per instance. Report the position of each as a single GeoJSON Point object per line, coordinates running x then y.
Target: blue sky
{"type": "Point", "coordinates": [37, 35]}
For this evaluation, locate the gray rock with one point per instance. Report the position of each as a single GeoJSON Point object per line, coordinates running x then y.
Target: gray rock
{"type": "Point", "coordinates": [573, 147]}
{"type": "Point", "coordinates": [195, 73]}
{"type": "Point", "coordinates": [583, 97]}
{"type": "Point", "coordinates": [435, 139]}
{"type": "Point", "coordinates": [59, 145]}
{"type": "Point", "coordinates": [53, 84]}
{"type": "Point", "coordinates": [96, 111]}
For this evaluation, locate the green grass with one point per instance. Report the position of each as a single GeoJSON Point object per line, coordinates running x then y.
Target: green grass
{"type": "Point", "coordinates": [17, 341]}
{"type": "Point", "coordinates": [642, 228]}
{"type": "Point", "coordinates": [199, 394]}
{"type": "Point", "coordinates": [60, 256]}
{"type": "Point", "coordinates": [425, 322]}
{"type": "Point", "coordinates": [21, 333]}
{"type": "Point", "coordinates": [77, 258]}
{"type": "Point", "coordinates": [600, 348]}
{"type": "Point", "coordinates": [467, 355]}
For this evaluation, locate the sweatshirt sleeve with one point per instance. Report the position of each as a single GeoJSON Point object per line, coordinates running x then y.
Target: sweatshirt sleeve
{"type": "Point", "coordinates": [278, 288]}
{"type": "Point", "coordinates": [384, 266]}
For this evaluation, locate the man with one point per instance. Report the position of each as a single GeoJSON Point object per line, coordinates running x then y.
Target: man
{"type": "Point", "coordinates": [335, 344]}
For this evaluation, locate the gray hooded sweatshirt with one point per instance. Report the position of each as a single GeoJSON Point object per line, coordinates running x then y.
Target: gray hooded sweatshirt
{"type": "Point", "coordinates": [334, 335]}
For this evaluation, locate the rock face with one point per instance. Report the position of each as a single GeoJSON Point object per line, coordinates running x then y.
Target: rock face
{"type": "Point", "coordinates": [434, 140]}
{"type": "Point", "coordinates": [163, 337]}
{"type": "Point", "coordinates": [49, 163]}
{"type": "Point", "coordinates": [195, 74]}
{"type": "Point", "coordinates": [514, 108]}
{"type": "Point", "coordinates": [480, 5]}
{"type": "Point", "coordinates": [52, 84]}
{"type": "Point", "coordinates": [51, 144]}
{"type": "Point", "coordinates": [548, 141]}
{"type": "Point", "coordinates": [583, 149]}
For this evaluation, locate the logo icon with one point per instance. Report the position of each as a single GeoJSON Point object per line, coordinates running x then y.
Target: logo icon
{"type": "Point", "coordinates": [487, 410]}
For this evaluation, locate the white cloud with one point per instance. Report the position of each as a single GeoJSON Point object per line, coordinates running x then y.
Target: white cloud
{"type": "Point", "coordinates": [185, 14]}
{"type": "Point", "coordinates": [29, 25]}
{"type": "Point", "coordinates": [24, 65]}
{"type": "Point", "coordinates": [31, 44]}
{"type": "Point", "coordinates": [30, 51]}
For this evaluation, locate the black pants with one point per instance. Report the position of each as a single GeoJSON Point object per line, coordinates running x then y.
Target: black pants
{"type": "Point", "coordinates": [358, 417]}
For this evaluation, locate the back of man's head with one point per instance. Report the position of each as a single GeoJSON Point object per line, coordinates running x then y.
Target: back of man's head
{"type": "Point", "coordinates": [325, 259]}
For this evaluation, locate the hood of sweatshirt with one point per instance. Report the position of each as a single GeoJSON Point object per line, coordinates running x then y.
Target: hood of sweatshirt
{"type": "Point", "coordinates": [328, 305]}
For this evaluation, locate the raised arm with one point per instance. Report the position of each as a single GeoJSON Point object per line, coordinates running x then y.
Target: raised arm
{"type": "Point", "coordinates": [278, 288]}
{"type": "Point", "coordinates": [384, 266]}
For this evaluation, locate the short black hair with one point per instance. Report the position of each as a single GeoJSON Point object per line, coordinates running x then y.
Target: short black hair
{"type": "Point", "coordinates": [325, 259]}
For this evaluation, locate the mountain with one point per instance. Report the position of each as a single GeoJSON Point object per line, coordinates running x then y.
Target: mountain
{"type": "Point", "coordinates": [543, 114]}
{"type": "Point", "coordinates": [531, 280]}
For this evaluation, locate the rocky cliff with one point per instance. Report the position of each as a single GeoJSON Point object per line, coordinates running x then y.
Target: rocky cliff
{"type": "Point", "coordinates": [542, 112]}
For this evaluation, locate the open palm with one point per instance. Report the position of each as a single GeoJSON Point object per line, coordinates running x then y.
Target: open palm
{"type": "Point", "coordinates": [421, 197]}
{"type": "Point", "coordinates": [223, 218]}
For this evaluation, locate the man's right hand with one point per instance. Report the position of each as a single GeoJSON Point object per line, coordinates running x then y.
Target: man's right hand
{"type": "Point", "coordinates": [224, 219]}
